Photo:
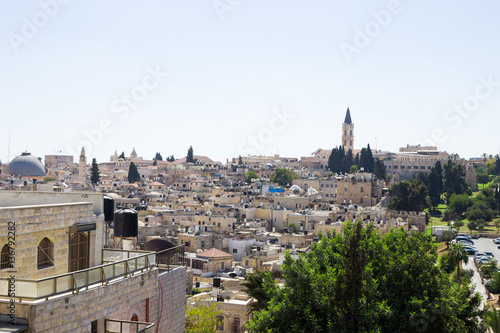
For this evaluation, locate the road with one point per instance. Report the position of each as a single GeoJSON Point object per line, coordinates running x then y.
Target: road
{"type": "Point", "coordinates": [482, 245]}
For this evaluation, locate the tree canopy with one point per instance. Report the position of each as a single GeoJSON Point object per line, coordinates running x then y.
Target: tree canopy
{"type": "Point", "coordinates": [133, 173]}
{"type": "Point", "coordinates": [94, 172]}
{"type": "Point", "coordinates": [454, 179]}
{"type": "Point", "coordinates": [251, 175]}
{"type": "Point", "coordinates": [409, 196]}
{"type": "Point", "coordinates": [283, 177]}
{"type": "Point", "coordinates": [362, 281]}
{"type": "Point", "coordinates": [190, 156]}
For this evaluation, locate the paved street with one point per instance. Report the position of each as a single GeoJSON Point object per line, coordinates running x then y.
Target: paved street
{"type": "Point", "coordinates": [482, 245]}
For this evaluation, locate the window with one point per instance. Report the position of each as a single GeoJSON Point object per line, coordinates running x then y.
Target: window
{"type": "Point", "coordinates": [93, 327]}
{"type": "Point", "coordinates": [220, 323]}
{"type": "Point", "coordinates": [235, 250]}
{"type": "Point", "coordinates": [422, 167]}
{"type": "Point", "coordinates": [222, 265]}
{"type": "Point", "coordinates": [362, 189]}
{"type": "Point", "coordinates": [45, 254]}
{"type": "Point", "coordinates": [236, 325]}
{"type": "Point", "coordinates": [134, 318]}
{"type": "Point", "coordinates": [4, 257]}
{"type": "Point", "coordinates": [78, 252]}
{"type": "Point", "coordinates": [361, 201]}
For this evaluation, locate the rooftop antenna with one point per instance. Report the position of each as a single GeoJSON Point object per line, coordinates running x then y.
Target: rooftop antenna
{"type": "Point", "coordinates": [8, 150]}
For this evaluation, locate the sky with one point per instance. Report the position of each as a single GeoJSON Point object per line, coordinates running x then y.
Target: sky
{"type": "Point", "coordinates": [240, 77]}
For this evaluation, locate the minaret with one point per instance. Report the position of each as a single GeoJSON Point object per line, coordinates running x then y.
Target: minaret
{"type": "Point", "coordinates": [82, 168]}
{"type": "Point", "coordinates": [348, 132]}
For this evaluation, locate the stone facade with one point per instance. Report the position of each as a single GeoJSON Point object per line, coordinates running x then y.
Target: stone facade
{"type": "Point", "coordinates": [119, 300]}
{"type": "Point", "coordinates": [34, 223]}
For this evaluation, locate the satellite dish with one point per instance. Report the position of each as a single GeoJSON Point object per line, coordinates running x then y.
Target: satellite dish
{"type": "Point", "coordinates": [228, 295]}
{"type": "Point", "coordinates": [290, 230]}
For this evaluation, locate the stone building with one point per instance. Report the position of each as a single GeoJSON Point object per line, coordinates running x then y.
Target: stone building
{"type": "Point", "coordinates": [55, 275]}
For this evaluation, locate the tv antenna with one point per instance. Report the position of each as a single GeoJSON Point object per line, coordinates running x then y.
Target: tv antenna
{"type": "Point", "coordinates": [8, 150]}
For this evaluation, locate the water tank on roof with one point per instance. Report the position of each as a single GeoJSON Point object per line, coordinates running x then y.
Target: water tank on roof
{"type": "Point", "coordinates": [126, 223]}
{"type": "Point", "coordinates": [109, 208]}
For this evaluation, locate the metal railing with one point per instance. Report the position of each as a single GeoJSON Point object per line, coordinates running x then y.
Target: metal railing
{"type": "Point", "coordinates": [134, 261]}
{"type": "Point", "coordinates": [125, 326]}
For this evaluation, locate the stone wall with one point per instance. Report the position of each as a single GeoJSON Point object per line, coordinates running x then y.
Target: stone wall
{"type": "Point", "coordinates": [119, 300]}
{"type": "Point", "coordinates": [33, 223]}
{"type": "Point", "coordinates": [173, 309]}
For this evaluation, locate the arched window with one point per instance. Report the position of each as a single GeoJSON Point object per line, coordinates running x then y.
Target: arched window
{"type": "Point", "coordinates": [134, 318]}
{"type": "Point", "coordinates": [220, 323]}
{"type": "Point", "coordinates": [45, 253]}
{"type": "Point", "coordinates": [4, 262]}
{"type": "Point", "coordinates": [236, 325]}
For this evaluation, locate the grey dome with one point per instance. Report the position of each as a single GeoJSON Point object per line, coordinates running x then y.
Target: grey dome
{"type": "Point", "coordinates": [26, 165]}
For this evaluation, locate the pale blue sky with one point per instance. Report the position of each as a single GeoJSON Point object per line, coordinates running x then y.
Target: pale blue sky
{"type": "Point", "coordinates": [228, 76]}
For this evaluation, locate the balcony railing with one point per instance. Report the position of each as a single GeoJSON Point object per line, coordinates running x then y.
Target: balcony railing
{"type": "Point", "coordinates": [124, 326]}
{"type": "Point", "coordinates": [128, 263]}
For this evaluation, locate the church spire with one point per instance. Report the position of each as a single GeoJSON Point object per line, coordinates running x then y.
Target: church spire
{"type": "Point", "coordinates": [348, 119]}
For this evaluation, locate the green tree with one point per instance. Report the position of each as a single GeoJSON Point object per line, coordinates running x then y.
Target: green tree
{"type": "Point", "coordinates": [482, 176]}
{"type": "Point", "coordinates": [454, 179]}
{"type": "Point", "coordinates": [493, 319]}
{"type": "Point", "coordinates": [497, 225]}
{"type": "Point", "coordinates": [491, 166]}
{"type": "Point", "coordinates": [202, 318]}
{"type": "Point", "coordinates": [472, 225]}
{"type": "Point", "coordinates": [158, 157]}
{"type": "Point", "coordinates": [435, 187]}
{"type": "Point", "coordinates": [354, 168]}
{"type": "Point", "coordinates": [171, 158]}
{"type": "Point", "coordinates": [459, 203]}
{"type": "Point", "coordinates": [94, 172]}
{"type": "Point", "coordinates": [480, 211]}
{"type": "Point", "coordinates": [251, 175]}
{"type": "Point", "coordinates": [362, 281]}
{"type": "Point", "coordinates": [283, 177]}
{"type": "Point", "coordinates": [458, 255]}
{"type": "Point", "coordinates": [458, 224]}
{"type": "Point", "coordinates": [379, 169]}
{"type": "Point", "coordinates": [133, 174]}
{"type": "Point", "coordinates": [408, 196]}
{"type": "Point", "coordinates": [260, 286]}
{"type": "Point", "coordinates": [447, 237]}
{"type": "Point", "coordinates": [190, 156]}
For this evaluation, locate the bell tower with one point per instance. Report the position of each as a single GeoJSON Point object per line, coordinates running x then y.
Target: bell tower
{"type": "Point", "coordinates": [82, 168]}
{"type": "Point", "coordinates": [348, 132]}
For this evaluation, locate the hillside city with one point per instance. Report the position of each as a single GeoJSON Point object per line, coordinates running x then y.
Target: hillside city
{"type": "Point", "coordinates": [351, 236]}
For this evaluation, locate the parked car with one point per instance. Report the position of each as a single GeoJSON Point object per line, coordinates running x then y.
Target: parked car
{"type": "Point", "coordinates": [470, 250]}
{"type": "Point", "coordinates": [485, 260]}
{"type": "Point", "coordinates": [489, 254]}
{"type": "Point", "coordinates": [464, 235]}
{"type": "Point", "coordinates": [496, 240]}
{"type": "Point", "coordinates": [461, 240]}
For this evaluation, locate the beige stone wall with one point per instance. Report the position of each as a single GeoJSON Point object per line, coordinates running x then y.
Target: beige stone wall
{"type": "Point", "coordinates": [359, 192]}
{"type": "Point", "coordinates": [119, 300]}
{"type": "Point", "coordinates": [33, 223]}
{"type": "Point", "coordinates": [173, 310]}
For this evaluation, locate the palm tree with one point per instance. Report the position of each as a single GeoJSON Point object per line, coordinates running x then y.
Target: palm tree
{"type": "Point", "coordinates": [255, 286]}
{"type": "Point", "coordinates": [493, 320]}
{"type": "Point", "coordinates": [458, 254]}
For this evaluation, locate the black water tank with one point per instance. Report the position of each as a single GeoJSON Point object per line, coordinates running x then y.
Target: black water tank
{"type": "Point", "coordinates": [126, 223]}
{"type": "Point", "coordinates": [216, 283]}
{"type": "Point", "coordinates": [109, 208]}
